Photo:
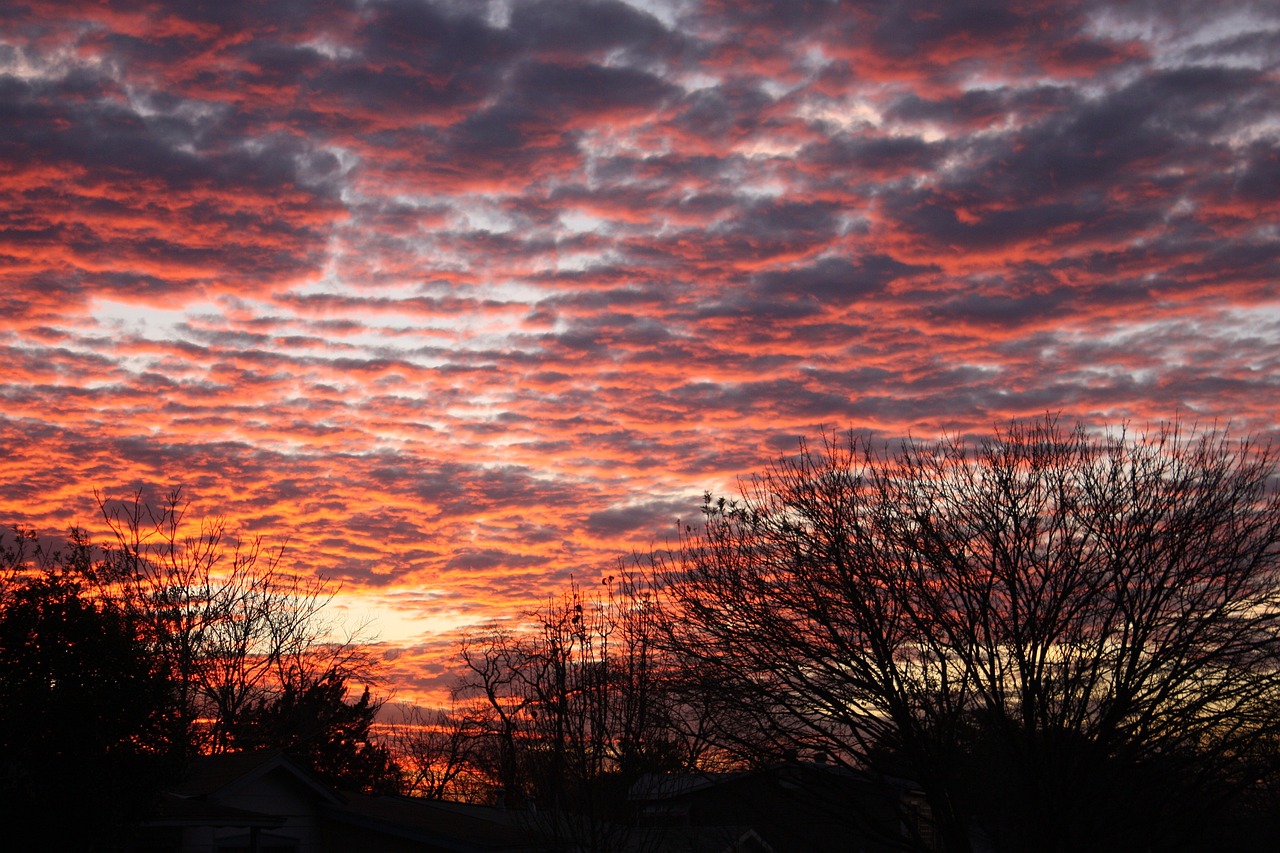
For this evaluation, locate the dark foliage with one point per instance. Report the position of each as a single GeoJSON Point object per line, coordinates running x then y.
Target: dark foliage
{"type": "Point", "coordinates": [83, 711]}
{"type": "Point", "coordinates": [314, 724]}
{"type": "Point", "coordinates": [120, 662]}
{"type": "Point", "coordinates": [574, 710]}
{"type": "Point", "coordinates": [1069, 642]}
{"type": "Point", "coordinates": [232, 626]}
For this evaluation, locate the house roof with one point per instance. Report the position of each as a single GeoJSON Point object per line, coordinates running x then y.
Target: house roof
{"type": "Point", "coordinates": [174, 810]}
{"type": "Point", "coordinates": [665, 786]}
{"type": "Point", "coordinates": [703, 839]}
{"type": "Point", "coordinates": [438, 823]}
{"type": "Point", "coordinates": [227, 773]}
{"type": "Point", "coordinates": [197, 801]}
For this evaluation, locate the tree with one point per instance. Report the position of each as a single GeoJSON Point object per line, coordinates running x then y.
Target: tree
{"type": "Point", "coordinates": [233, 627]}
{"type": "Point", "coordinates": [1069, 641]}
{"type": "Point", "coordinates": [315, 724]}
{"type": "Point", "coordinates": [572, 712]}
{"type": "Point", "coordinates": [83, 710]}
{"type": "Point", "coordinates": [159, 644]}
{"type": "Point", "coordinates": [441, 753]}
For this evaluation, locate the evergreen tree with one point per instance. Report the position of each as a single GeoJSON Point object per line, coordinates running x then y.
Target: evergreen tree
{"type": "Point", "coordinates": [314, 723]}
{"type": "Point", "coordinates": [82, 722]}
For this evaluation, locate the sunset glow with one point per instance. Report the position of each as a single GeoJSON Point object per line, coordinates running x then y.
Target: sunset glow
{"type": "Point", "coordinates": [461, 299]}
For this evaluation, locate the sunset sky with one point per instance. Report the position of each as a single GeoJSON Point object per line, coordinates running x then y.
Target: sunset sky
{"type": "Point", "coordinates": [462, 298]}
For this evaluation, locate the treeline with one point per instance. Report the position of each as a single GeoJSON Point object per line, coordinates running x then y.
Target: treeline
{"type": "Point", "coordinates": [560, 718]}
{"type": "Point", "coordinates": [1055, 640]}
{"type": "Point", "coordinates": [1059, 640]}
{"type": "Point", "coordinates": [122, 660]}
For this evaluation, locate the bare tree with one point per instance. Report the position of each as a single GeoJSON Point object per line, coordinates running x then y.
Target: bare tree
{"type": "Point", "coordinates": [1068, 641]}
{"type": "Point", "coordinates": [441, 753]}
{"type": "Point", "coordinates": [578, 708]}
{"type": "Point", "coordinates": [233, 628]}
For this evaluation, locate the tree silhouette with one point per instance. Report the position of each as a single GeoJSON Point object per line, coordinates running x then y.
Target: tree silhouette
{"type": "Point", "coordinates": [207, 640]}
{"type": "Point", "coordinates": [441, 752]}
{"type": "Point", "coordinates": [1069, 641]}
{"type": "Point", "coordinates": [232, 625]}
{"type": "Point", "coordinates": [82, 718]}
{"type": "Point", "coordinates": [573, 711]}
{"type": "Point", "coordinates": [314, 723]}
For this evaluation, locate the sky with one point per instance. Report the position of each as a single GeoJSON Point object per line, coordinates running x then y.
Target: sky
{"type": "Point", "coordinates": [461, 299]}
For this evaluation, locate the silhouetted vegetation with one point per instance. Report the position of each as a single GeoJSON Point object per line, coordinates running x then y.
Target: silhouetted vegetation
{"type": "Point", "coordinates": [1069, 642]}
{"type": "Point", "coordinates": [233, 628]}
{"type": "Point", "coordinates": [1052, 640]}
{"type": "Point", "coordinates": [83, 706]}
{"type": "Point", "coordinates": [571, 713]}
{"type": "Point", "coordinates": [316, 725]}
{"type": "Point", "coordinates": [119, 661]}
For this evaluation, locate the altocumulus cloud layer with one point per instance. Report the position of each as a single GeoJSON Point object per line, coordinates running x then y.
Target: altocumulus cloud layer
{"type": "Point", "coordinates": [462, 298]}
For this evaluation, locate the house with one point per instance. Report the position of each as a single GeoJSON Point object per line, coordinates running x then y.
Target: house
{"type": "Point", "coordinates": [801, 806]}
{"type": "Point", "coordinates": [264, 802]}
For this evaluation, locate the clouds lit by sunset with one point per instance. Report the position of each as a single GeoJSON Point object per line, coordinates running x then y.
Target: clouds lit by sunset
{"type": "Point", "coordinates": [463, 298]}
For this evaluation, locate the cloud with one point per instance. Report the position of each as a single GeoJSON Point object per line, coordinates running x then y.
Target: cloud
{"type": "Point", "coordinates": [461, 300]}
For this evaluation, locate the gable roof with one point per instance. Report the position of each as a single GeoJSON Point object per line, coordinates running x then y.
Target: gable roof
{"type": "Point", "coordinates": [665, 786]}
{"type": "Point", "coordinates": [199, 800]}
{"type": "Point", "coordinates": [173, 810]}
{"type": "Point", "coordinates": [440, 824]}
{"type": "Point", "coordinates": [228, 773]}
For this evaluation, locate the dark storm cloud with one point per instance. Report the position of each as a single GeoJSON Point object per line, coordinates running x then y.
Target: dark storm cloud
{"type": "Point", "coordinates": [574, 28]}
{"type": "Point", "coordinates": [1259, 181]}
{"type": "Point", "coordinates": [980, 108]}
{"type": "Point", "coordinates": [909, 29]}
{"type": "Point", "coordinates": [93, 234]}
{"type": "Point", "coordinates": [408, 60]}
{"type": "Point", "coordinates": [837, 279]}
{"type": "Point", "coordinates": [545, 105]}
{"type": "Point", "coordinates": [726, 112]}
{"type": "Point", "coordinates": [867, 160]}
{"type": "Point", "coordinates": [1069, 170]}
{"type": "Point", "coordinates": [638, 520]}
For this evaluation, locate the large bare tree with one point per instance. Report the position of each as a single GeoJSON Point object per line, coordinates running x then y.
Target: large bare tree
{"type": "Point", "coordinates": [1069, 641]}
